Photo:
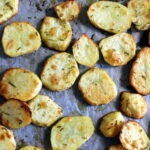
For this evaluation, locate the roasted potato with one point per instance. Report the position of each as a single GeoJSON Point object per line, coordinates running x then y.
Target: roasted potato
{"type": "Point", "coordinates": [20, 38]}
{"type": "Point", "coordinates": [18, 83]}
{"type": "Point", "coordinates": [44, 111]}
{"type": "Point", "coordinates": [60, 72]}
{"type": "Point", "coordinates": [111, 124]}
{"type": "Point", "coordinates": [110, 16]}
{"type": "Point", "coordinates": [71, 132]}
{"type": "Point", "coordinates": [97, 87]}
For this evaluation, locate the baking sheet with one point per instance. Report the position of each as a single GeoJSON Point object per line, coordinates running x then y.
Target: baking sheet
{"type": "Point", "coordinates": [70, 100]}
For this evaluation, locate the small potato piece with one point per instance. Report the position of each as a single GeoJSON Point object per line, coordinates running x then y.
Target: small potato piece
{"type": "Point", "coordinates": [60, 72]}
{"type": "Point", "coordinates": [118, 49]}
{"type": "Point", "coordinates": [133, 105]}
{"type": "Point", "coordinates": [97, 87]}
{"type": "Point", "coordinates": [68, 10]}
{"type": "Point", "coordinates": [15, 114]}
{"type": "Point", "coordinates": [109, 16]}
{"type": "Point", "coordinates": [71, 132]}
{"type": "Point", "coordinates": [9, 8]}
{"type": "Point", "coordinates": [133, 137]}
{"type": "Point", "coordinates": [7, 140]}
{"type": "Point", "coordinates": [111, 124]}
{"type": "Point", "coordinates": [31, 148]}
{"type": "Point", "coordinates": [56, 33]}
{"type": "Point", "coordinates": [140, 72]}
{"type": "Point", "coordinates": [18, 83]}
{"type": "Point", "coordinates": [85, 51]}
{"type": "Point", "coordinates": [116, 147]}
{"type": "Point", "coordinates": [44, 111]}
{"type": "Point", "coordinates": [140, 12]}
{"type": "Point", "coordinates": [20, 38]}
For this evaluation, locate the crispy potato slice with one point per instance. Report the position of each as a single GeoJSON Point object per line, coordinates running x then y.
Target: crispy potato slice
{"type": "Point", "coordinates": [44, 111]}
{"type": "Point", "coordinates": [68, 10]}
{"type": "Point", "coordinates": [15, 114]}
{"type": "Point", "coordinates": [140, 72]}
{"type": "Point", "coordinates": [7, 140]}
{"type": "Point", "coordinates": [20, 84]}
{"type": "Point", "coordinates": [97, 87]}
{"type": "Point", "coordinates": [118, 49]}
{"type": "Point", "coordinates": [9, 8]}
{"type": "Point", "coordinates": [109, 16]}
{"type": "Point", "coordinates": [133, 136]}
{"type": "Point", "coordinates": [140, 12]}
{"type": "Point", "coordinates": [31, 148]}
{"type": "Point", "coordinates": [111, 124]}
{"type": "Point", "coordinates": [116, 147]}
{"type": "Point", "coordinates": [20, 38]}
{"type": "Point", "coordinates": [133, 105]}
{"type": "Point", "coordinates": [85, 51]}
{"type": "Point", "coordinates": [71, 132]}
{"type": "Point", "coordinates": [60, 72]}
{"type": "Point", "coordinates": [56, 33]}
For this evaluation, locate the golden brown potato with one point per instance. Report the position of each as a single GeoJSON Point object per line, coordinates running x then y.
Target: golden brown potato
{"type": "Point", "coordinates": [111, 124]}
{"type": "Point", "coordinates": [133, 105]}
{"type": "Point", "coordinates": [133, 137]}
{"type": "Point", "coordinates": [140, 72]}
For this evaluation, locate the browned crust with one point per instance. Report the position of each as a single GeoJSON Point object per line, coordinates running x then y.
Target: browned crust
{"type": "Point", "coordinates": [85, 35]}
{"type": "Point", "coordinates": [98, 26]}
{"type": "Point", "coordinates": [120, 106]}
{"type": "Point", "coordinates": [143, 50]}
{"type": "Point", "coordinates": [29, 23]}
{"type": "Point", "coordinates": [23, 105]}
{"type": "Point", "coordinates": [46, 42]}
{"type": "Point", "coordinates": [120, 136]}
{"type": "Point", "coordinates": [11, 16]}
{"type": "Point", "coordinates": [85, 98]}
{"type": "Point", "coordinates": [79, 9]}
{"type": "Point", "coordinates": [128, 60]}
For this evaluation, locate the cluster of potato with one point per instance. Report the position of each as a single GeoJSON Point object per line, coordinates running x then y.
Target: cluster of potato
{"type": "Point", "coordinates": [21, 87]}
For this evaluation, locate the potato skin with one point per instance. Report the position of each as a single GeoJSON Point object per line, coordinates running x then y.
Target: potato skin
{"type": "Point", "coordinates": [111, 124]}
{"type": "Point", "coordinates": [133, 105]}
{"type": "Point", "coordinates": [138, 75]}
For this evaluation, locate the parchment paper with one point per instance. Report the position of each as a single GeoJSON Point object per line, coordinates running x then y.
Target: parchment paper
{"type": "Point", "coordinates": [70, 100]}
